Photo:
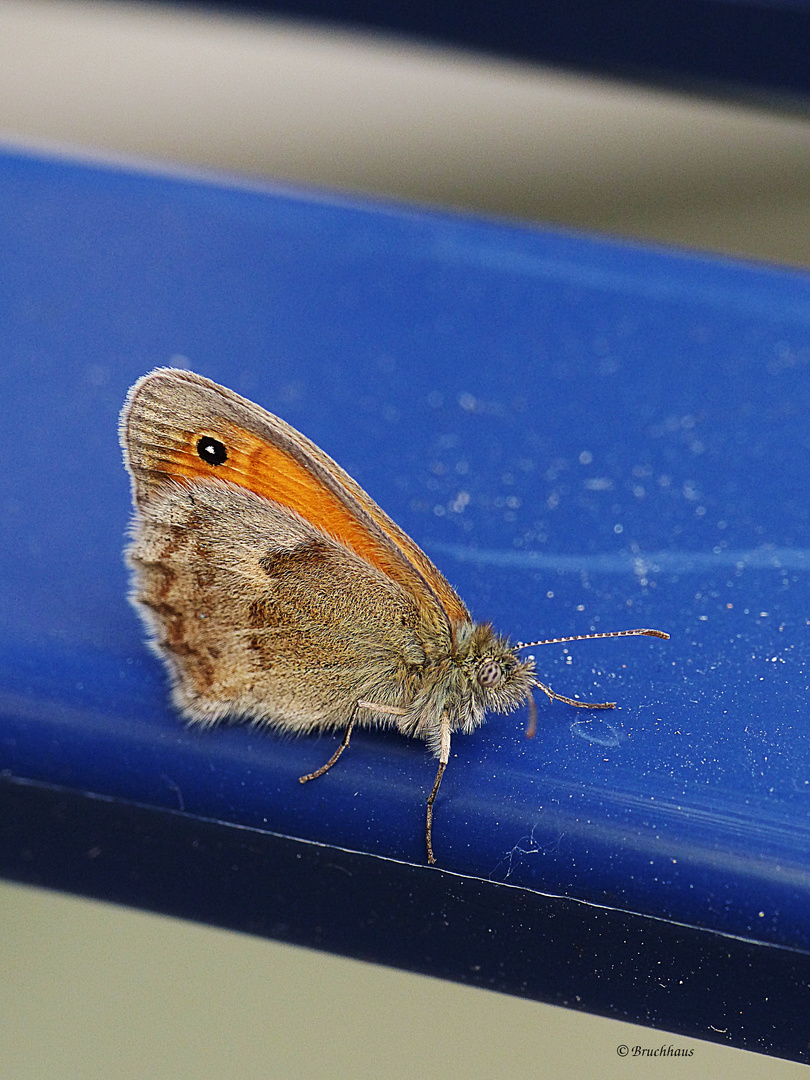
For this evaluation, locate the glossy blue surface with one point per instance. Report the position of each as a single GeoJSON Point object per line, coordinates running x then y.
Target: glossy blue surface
{"type": "Point", "coordinates": [582, 435]}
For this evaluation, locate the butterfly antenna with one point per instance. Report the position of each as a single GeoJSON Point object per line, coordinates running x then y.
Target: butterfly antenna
{"type": "Point", "coordinates": [531, 727]}
{"type": "Point", "coordinates": [590, 637]}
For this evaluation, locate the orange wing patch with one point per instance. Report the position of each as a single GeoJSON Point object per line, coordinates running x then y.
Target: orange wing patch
{"type": "Point", "coordinates": [273, 473]}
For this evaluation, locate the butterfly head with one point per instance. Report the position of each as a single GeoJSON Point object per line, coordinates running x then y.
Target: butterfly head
{"type": "Point", "coordinates": [482, 674]}
{"type": "Point", "coordinates": [492, 677]}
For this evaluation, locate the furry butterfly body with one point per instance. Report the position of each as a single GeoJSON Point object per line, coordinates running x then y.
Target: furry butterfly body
{"type": "Point", "coordinates": [275, 589]}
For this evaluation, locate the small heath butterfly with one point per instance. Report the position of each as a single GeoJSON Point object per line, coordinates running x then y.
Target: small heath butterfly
{"type": "Point", "coordinates": [275, 589]}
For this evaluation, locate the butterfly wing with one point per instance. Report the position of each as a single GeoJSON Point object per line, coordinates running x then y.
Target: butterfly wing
{"type": "Point", "coordinates": [257, 614]}
{"type": "Point", "coordinates": [272, 585]}
{"type": "Point", "coordinates": [169, 412]}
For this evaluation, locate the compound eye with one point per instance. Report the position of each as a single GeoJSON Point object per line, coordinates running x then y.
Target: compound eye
{"type": "Point", "coordinates": [490, 673]}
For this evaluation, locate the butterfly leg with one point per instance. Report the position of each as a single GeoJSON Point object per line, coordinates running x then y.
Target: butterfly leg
{"type": "Point", "coordinates": [333, 758]}
{"type": "Point", "coordinates": [444, 757]}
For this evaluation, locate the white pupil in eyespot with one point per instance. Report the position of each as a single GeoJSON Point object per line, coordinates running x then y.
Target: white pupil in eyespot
{"type": "Point", "coordinates": [489, 673]}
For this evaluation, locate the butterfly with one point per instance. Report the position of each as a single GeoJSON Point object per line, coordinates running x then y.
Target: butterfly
{"type": "Point", "coordinates": [275, 589]}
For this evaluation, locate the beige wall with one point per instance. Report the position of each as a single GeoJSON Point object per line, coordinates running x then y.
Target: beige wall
{"type": "Point", "coordinates": [368, 114]}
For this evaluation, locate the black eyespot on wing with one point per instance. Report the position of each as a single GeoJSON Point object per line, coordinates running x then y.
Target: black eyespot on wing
{"type": "Point", "coordinates": [212, 451]}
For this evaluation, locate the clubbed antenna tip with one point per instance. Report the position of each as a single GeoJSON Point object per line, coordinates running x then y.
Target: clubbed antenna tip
{"type": "Point", "coordinates": [590, 637]}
